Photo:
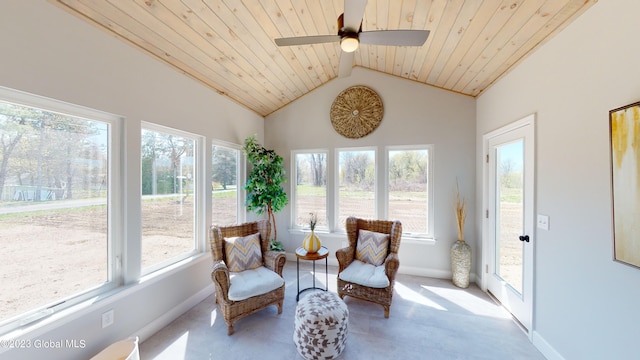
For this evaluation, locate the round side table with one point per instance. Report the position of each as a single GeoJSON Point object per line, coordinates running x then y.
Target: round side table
{"type": "Point", "coordinates": [323, 253]}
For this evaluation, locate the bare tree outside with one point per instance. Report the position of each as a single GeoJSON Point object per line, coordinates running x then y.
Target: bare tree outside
{"type": "Point", "coordinates": [224, 185]}
{"type": "Point", "coordinates": [356, 187]}
{"type": "Point", "coordinates": [53, 208]}
{"type": "Point", "coordinates": [318, 163]}
{"type": "Point", "coordinates": [506, 171]}
{"type": "Point", "coordinates": [311, 188]}
{"type": "Point", "coordinates": [408, 189]}
{"type": "Point", "coordinates": [168, 213]}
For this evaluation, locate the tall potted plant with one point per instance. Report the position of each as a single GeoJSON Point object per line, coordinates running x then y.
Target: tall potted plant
{"type": "Point", "coordinates": [460, 250]}
{"type": "Point", "coordinates": [264, 184]}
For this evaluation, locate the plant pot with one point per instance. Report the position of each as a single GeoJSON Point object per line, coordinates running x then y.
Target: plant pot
{"type": "Point", "coordinates": [460, 263]}
{"type": "Point", "coordinates": [312, 243]}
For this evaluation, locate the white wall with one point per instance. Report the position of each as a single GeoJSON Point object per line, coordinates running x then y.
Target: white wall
{"type": "Point", "coordinates": [413, 114]}
{"type": "Point", "coordinates": [586, 305]}
{"type": "Point", "coordinates": [49, 52]}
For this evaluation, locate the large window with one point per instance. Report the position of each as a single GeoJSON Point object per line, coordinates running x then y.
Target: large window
{"type": "Point", "coordinates": [310, 188]}
{"type": "Point", "coordinates": [169, 196]}
{"type": "Point", "coordinates": [356, 184]}
{"type": "Point", "coordinates": [225, 178]}
{"type": "Point", "coordinates": [395, 186]}
{"type": "Point", "coordinates": [57, 164]}
{"type": "Point", "coordinates": [408, 188]}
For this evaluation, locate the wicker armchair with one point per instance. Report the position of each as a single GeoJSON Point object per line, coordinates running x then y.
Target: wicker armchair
{"type": "Point", "coordinates": [274, 261]}
{"type": "Point", "coordinates": [391, 263]}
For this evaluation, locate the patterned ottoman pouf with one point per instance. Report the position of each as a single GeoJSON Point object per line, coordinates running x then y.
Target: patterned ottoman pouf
{"type": "Point", "coordinates": [320, 327]}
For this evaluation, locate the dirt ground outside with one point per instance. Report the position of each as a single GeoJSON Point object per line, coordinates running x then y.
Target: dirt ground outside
{"type": "Point", "coordinates": [509, 255]}
{"type": "Point", "coordinates": [49, 255]}
{"type": "Point", "coordinates": [53, 254]}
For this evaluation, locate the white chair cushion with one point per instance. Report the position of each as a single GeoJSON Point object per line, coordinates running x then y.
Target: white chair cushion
{"type": "Point", "coordinates": [248, 283]}
{"type": "Point", "coordinates": [365, 274]}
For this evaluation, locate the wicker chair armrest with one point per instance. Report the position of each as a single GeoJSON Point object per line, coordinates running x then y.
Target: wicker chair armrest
{"type": "Point", "coordinates": [220, 277]}
{"type": "Point", "coordinates": [391, 265]}
{"type": "Point", "coordinates": [345, 257]}
{"type": "Point", "coordinates": [275, 260]}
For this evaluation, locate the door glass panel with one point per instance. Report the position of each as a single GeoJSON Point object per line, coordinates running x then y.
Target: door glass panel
{"type": "Point", "coordinates": [509, 213]}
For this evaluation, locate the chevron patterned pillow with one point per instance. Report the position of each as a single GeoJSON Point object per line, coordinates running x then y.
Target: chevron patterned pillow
{"type": "Point", "coordinates": [243, 252]}
{"type": "Point", "coordinates": [372, 247]}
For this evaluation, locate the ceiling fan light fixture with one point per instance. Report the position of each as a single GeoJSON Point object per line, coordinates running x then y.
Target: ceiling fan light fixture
{"type": "Point", "coordinates": [349, 42]}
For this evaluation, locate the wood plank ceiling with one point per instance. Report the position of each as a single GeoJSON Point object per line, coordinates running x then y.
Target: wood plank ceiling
{"type": "Point", "coordinates": [228, 44]}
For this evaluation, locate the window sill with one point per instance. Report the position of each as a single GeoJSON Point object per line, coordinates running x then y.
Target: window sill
{"type": "Point", "coordinates": [342, 235]}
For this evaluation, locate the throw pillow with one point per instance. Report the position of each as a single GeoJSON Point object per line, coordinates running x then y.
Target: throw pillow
{"type": "Point", "coordinates": [243, 252]}
{"type": "Point", "coordinates": [372, 247]}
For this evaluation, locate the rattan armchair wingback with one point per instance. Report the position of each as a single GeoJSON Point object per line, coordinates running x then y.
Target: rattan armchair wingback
{"type": "Point", "coordinates": [391, 263]}
{"type": "Point", "coordinates": [234, 310]}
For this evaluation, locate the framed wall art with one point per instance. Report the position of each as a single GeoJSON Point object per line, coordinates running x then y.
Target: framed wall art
{"type": "Point", "coordinates": [624, 129]}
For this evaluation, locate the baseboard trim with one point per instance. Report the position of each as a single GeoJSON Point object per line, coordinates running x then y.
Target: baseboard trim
{"type": "Point", "coordinates": [545, 348]}
{"type": "Point", "coordinates": [431, 273]}
{"type": "Point", "coordinates": [407, 270]}
{"type": "Point", "coordinates": [164, 320]}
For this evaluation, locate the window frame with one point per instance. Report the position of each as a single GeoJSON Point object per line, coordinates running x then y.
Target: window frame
{"type": "Point", "coordinates": [376, 182]}
{"type": "Point", "coordinates": [241, 173]}
{"type": "Point", "coordinates": [293, 192]}
{"type": "Point", "coordinates": [381, 187]}
{"type": "Point", "coordinates": [115, 203]}
{"type": "Point", "coordinates": [199, 206]}
{"type": "Point", "coordinates": [430, 203]}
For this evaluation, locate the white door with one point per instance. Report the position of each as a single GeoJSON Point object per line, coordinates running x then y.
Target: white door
{"type": "Point", "coordinates": [509, 217]}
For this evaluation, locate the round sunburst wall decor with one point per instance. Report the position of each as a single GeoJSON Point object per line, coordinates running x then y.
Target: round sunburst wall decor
{"type": "Point", "coordinates": [356, 112]}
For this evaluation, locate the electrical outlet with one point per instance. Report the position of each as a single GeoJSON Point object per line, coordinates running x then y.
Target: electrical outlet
{"type": "Point", "coordinates": [107, 318]}
{"type": "Point", "coordinates": [543, 222]}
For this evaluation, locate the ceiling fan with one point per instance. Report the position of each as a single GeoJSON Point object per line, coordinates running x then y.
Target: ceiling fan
{"type": "Point", "coordinates": [350, 35]}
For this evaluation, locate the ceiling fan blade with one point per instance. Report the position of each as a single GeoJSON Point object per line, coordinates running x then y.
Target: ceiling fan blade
{"type": "Point", "coordinates": [353, 13]}
{"type": "Point", "coordinates": [394, 37]}
{"type": "Point", "coordinates": [305, 40]}
{"type": "Point", "coordinates": [346, 64]}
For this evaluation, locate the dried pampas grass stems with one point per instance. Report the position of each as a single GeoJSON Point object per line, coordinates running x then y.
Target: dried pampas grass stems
{"type": "Point", "coordinates": [461, 212]}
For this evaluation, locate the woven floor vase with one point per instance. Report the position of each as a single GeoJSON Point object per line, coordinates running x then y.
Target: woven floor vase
{"type": "Point", "coordinates": [312, 243]}
{"type": "Point", "coordinates": [320, 326]}
{"type": "Point", "coordinates": [460, 263]}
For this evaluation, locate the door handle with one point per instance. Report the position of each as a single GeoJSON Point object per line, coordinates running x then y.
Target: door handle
{"type": "Point", "coordinates": [524, 238]}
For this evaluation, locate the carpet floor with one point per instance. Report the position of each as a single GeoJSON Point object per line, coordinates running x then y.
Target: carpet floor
{"type": "Point", "coordinates": [429, 319]}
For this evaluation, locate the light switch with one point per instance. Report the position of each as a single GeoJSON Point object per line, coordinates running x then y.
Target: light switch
{"type": "Point", "coordinates": [543, 222]}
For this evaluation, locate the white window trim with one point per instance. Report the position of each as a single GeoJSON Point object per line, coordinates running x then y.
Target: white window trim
{"type": "Point", "coordinates": [293, 181]}
{"type": "Point", "coordinates": [381, 189]}
{"type": "Point", "coordinates": [241, 174]}
{"type": "Point", "coordinates": [333, 224]}
{"type": "Point", "coordinates": [199, 229]}
{"type": "Point", "coordinates": [115, 217]}
{"type": "Point", "coordinates": [430, 204]}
